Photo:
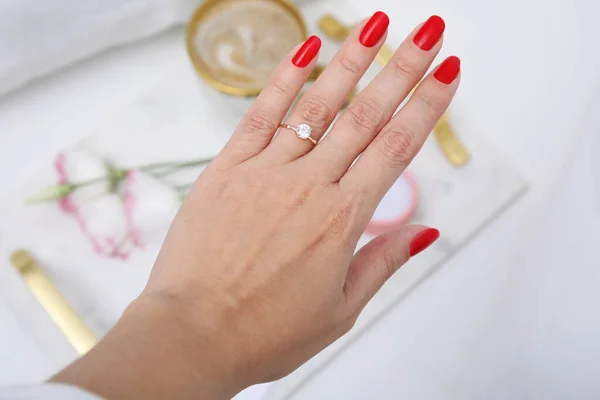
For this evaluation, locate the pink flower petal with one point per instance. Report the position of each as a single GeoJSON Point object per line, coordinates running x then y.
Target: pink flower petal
{"type": "Point", "coordinates": [129, 203]}
{"type": "Point", "coordinates": [67, 205]}
{"type": "Point", "coordinates": [117, 251]}
{"type": "Point", "coordinates": [151, 206]}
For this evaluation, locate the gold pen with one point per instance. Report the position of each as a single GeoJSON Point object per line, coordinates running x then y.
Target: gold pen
{"type": "Point", "coordinates": [59, 310]}
{"type": "Point", "coordinates": [452, 147]}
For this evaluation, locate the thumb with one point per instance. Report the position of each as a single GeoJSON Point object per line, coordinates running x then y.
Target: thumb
{"type": "Point", "coordinates": [376, 262]}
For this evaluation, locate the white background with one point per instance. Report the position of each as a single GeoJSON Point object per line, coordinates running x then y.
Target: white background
{"type": "Point", "coordinates": [479, 328]}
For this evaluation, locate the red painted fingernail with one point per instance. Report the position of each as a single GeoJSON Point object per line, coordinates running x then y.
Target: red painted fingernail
{"type": "Point", "coordinates": [448, 71]}
{"type": "Point", "coordinates": [430, 33]}
{"type": "Point", "coordinates": [374, 29]}
{"type": "Point", "coordinates": [307, 52]}
{"type": "Point", "coordinates": [423, 240]}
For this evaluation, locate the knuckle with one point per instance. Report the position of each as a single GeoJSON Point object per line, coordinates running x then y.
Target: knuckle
{"type": "Point", "coordinates": [281, 87]}
{"type": "Point", "coordinates": [350, 66]}
{"type": "Point", "coordinates": [366, 116]}
{"type": "Point", "coordinates": [434, 105]}
{"type": "Point", "coordinates": [406, 70]}
{"type": "Point", "coordinates": [317, 112]}
{"type": "Point", "coordinates": [392, 261]}
{"type": "Point", "coordinates": [259, 123]}
{"type": "Point", "coordinates": [398, 146]}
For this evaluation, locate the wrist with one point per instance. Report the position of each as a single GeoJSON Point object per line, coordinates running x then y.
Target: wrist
{"type": "Point", "coordinates": [154, 353]}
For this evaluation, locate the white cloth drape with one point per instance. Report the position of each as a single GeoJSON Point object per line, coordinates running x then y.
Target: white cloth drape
{"type": "Point", "coordinates": [37, 37]}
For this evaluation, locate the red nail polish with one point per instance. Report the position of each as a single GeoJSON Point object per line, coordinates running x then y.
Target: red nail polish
{"type": "Point", "coordinates": [430, 33]}
{"type": "Point", "coordinates": [423, 240]}
{"type": "Point", "coordinates": [307, 52]}
{"type": "Point", "coordinates": [374, 29]}
{"type": "Point", "coordinates": [448, 71]}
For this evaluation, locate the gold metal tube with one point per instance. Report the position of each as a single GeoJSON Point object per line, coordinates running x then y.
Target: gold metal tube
{"type": "Point", "coordinates": [450, 144]}
{"type": "Point", "coordinates": [50, 298]}
{"type": "Point", "coordinates": [385, 55]}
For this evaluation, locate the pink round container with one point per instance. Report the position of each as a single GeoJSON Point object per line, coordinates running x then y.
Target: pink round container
{"type": "Point", "coordinates": [397, 207]}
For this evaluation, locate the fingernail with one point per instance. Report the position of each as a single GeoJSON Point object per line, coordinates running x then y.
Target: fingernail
{"type": "Point", "coordinates": [430, 33]}
{"type": "Point", "coordinates": [307, 52]}
{"type": "Point", "coordinates": [374, 29]}
{"type": "Point", "coordinates": [448, 71]}
{"type": "Point", "coordinates": [423, 240]}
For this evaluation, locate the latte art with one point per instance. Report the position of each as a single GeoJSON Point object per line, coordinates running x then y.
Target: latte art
{"type": "Point", "coordinates": [240, 42]}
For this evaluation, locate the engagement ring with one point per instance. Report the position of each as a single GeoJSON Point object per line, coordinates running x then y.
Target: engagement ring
{"type": "Point", "coordinates": [303, 131]}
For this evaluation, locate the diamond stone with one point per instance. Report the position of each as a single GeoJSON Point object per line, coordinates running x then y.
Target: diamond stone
{"type": "Point", "coordinates": [303, 131]}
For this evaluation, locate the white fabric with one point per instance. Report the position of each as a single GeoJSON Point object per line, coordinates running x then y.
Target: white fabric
{"type": "Point", "coordinates": [37, 37]}
{"type": "Point", "coordinates": [48, 391]}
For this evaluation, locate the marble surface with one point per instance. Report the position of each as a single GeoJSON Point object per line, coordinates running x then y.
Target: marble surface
{"type": "Point", "coordinates": [529, 79]}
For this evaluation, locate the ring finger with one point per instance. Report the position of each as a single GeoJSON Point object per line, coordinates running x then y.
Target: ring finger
{"type": "Point", "coordinates": [321, 103]}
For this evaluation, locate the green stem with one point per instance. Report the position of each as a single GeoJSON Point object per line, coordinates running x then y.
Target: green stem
{"type": "Point", "coordinates": [171, 167]}
{"type": "Point", "coordinates": [150, 167]}
{"type": "Point", "coordinates": [101, 179]}
{"type": "Point", "coordinates": [181, 188]}
{"type": "Point", "coordinates": [176, 167]}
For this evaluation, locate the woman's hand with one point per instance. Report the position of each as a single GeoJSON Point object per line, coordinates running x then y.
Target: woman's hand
{"type": "Point", "coordinates": [258, 271]}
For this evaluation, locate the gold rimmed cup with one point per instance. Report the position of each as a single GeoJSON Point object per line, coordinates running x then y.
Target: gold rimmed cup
{"type": "Point", "coordinates": [235, 45]}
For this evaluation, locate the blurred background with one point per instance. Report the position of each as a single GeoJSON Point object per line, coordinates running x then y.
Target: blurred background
{"type": "Point", "coordinates": [511, 311]}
